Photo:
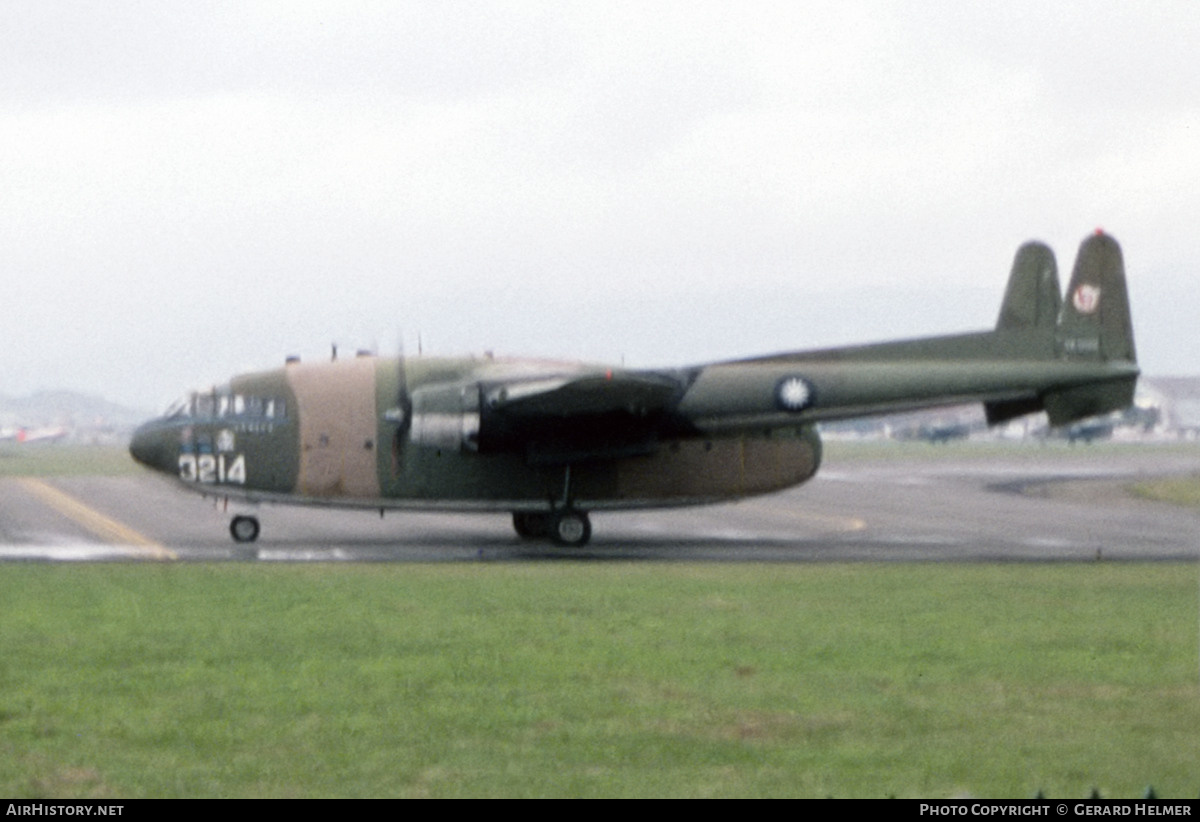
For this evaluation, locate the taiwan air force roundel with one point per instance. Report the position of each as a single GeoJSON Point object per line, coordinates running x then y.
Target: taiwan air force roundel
{"type": "Point", "coordinates": [794, 393]}
{"type": "Point", "coordinates": [1086, 299]}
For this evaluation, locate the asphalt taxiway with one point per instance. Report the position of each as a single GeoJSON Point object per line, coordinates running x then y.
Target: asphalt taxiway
{"type": "Point", "coordinates": [1053, 505]}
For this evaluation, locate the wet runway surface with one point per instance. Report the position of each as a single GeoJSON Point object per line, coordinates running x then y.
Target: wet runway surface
{"type": "Point", "coordinates": [1053, 506]}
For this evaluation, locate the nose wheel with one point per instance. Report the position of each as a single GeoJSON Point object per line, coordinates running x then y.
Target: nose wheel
{"type": "Point", "coordinates": [244, 529]}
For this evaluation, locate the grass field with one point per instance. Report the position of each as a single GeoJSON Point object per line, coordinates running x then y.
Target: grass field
{"type": "Point", "coordinates": [598, 679]}
{"type": "Point", "coordinates": [1177, 491]}
{"type": "Point", "coordinates": [65, 459]}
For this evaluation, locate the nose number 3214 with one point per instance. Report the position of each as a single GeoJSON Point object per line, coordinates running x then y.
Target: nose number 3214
{"type": "Point", "coordinates": [213, 469]}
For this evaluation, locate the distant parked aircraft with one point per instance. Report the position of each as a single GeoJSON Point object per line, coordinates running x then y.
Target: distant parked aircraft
{"type": "Point", "coordinates": [32, 435]}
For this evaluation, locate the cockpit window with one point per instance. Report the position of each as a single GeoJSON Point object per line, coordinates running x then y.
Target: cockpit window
{"type": "Point", "coordinates": [205, 406]}
{"type": "Point", "coordinates": [219, 405]}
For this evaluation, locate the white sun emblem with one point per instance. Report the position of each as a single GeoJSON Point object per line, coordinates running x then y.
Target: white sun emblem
{"type": "Point", "coordinates": [1086, 299]}
{"type": "Point", "coordinates": [794, 393]}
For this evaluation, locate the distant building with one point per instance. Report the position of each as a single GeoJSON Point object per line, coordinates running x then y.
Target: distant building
{"type": "Point", "coordinates": [1178, 402]}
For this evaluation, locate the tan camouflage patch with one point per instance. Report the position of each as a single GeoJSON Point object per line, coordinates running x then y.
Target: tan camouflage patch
{"type": "Point", "coordinates": [337, 428]}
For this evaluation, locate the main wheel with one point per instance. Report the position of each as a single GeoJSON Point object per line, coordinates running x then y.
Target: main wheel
{"type": "Point", "coordinates": [244, 529]}
{"type": "Point", "coordinates": [531, 524]}
{"type": "Point", "coordinates": [571, 528]}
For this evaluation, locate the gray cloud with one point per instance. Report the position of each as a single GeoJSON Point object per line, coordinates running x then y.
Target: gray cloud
{"type": "Point", "coordinates": [190, 190]}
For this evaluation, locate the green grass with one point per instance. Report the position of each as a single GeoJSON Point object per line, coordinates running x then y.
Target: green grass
{"type": "Point", "coordinates": [585, 679]}
{"type": "Point", "coordinates": [64, 459]}
{"type": "Point", "coordinates": [1177, 491]}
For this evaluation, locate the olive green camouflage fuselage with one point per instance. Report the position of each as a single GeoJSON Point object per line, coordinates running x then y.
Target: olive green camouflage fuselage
{"type": "Point", "coordinates": [331, 441]}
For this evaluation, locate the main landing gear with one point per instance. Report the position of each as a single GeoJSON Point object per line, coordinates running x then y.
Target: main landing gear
{"type": "Point", "coordinates": [244, 529]}
{"type": "Point", "coordinates": [566, 526]}
{"type": "Point", "coordinates": [563, 524]}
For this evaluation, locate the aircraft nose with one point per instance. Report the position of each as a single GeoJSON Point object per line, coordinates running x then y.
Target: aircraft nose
{"type": "Point", "coordinates": [149, 446]}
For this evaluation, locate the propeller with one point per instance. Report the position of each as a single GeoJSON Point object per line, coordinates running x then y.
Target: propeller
{"type": "Point", "coordinates": [401, 414]}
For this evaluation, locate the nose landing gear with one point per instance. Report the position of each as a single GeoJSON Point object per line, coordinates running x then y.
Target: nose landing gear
{"type": "Point", "coordinates": [244, 529]}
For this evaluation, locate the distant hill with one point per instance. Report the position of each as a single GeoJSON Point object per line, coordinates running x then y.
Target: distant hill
{"type": "Point", "coordinates": [85, 416]}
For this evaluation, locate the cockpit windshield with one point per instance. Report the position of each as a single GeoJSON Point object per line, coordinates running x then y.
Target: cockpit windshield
{"type": "Point", "coordinates": [180, 408]}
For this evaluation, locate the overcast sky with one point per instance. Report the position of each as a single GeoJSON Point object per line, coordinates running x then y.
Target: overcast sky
{"type": "Point", "coordinates": [190, 190]}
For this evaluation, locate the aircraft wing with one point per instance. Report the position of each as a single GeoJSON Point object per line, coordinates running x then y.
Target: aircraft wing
{"type": "Point", "coordinates": [567, 418]}
{"type": "Point", "coordinates": [636, 393]}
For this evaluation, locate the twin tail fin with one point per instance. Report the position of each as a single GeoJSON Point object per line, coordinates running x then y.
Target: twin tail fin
{"type": "Point", "coordinates": [1091, 325]}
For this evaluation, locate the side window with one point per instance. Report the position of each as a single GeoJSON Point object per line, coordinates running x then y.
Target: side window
{"type": "Point", "coordinates": [212, 406]}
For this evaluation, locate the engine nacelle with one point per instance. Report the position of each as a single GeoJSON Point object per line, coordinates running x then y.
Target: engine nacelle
{"type": "Point", "coordinates": [446, 416]}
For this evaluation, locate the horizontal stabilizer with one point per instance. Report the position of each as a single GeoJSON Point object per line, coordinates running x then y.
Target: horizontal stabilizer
{"type": "Point", "coordinates": [1004, 411]}
{"type": "Point", "coordinates": [1069, 405]}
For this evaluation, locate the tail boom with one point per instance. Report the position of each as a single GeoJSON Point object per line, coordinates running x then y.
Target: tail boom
{"type": "Point", "coordinates": [1072, 359]}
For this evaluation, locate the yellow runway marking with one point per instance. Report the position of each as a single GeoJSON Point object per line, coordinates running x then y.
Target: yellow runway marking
{"type": "Point", "coordinates": [104, 527]}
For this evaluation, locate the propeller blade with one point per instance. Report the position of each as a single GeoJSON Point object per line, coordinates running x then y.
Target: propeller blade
{"type": "Point", "coordinates": [401, 415]}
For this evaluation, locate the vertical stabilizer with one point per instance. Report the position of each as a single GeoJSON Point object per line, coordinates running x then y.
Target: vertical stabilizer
{"type": "Point", "coordinates": [1095, 326]}
{"type": "Point", "coordinates": [1095, 322]}
{"type": "Point", "coordinates": [1033, 298]}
